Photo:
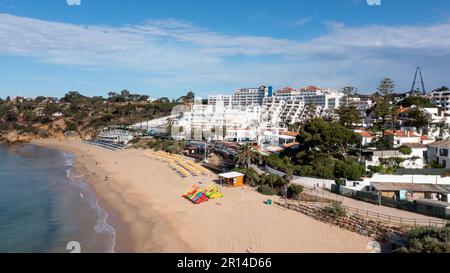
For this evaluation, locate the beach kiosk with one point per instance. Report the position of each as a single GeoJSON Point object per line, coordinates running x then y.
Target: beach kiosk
{"type": "Point", "coordinates": [232, 179]}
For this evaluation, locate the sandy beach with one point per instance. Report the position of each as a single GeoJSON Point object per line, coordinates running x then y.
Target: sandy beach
{"type": "Point", "coordinates": [143, 199]}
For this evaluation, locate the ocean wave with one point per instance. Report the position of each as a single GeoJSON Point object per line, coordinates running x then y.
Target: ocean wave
{"type": "Point", "coordinates": [87, 194]}
{"type": "Point", "coordinates": [103, 227]}
{"type": "Point", "coordinates": [68, 159]}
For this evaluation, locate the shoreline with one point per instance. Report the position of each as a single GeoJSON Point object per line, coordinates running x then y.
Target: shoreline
{"type": "Point", "coordinates": [114, 219]}
{"type": "Point", "coordinates": [146, 194]}
{"type": "Point", "coordinates": [117, 207]}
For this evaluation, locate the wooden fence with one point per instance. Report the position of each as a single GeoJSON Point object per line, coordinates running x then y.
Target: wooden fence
{"type": "Point", "coordinates": [384, 218]}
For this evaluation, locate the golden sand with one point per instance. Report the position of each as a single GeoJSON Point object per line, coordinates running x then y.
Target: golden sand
{"type": "Point", "coordinates": [146, 194]}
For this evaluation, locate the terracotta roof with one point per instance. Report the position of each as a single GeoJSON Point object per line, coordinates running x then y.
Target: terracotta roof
{"type": "Point", "coordinates": [365, 134]}
{"type": "Point", "coordinates": [415, 145]}
{"type": "Point", "coordinates": [292, 134]}
{"type": "Point", "coordinates": [403, 110]}
{"type": "Point", "coordinates": [289, 145]}
{"type": "Point", "coordinates": [424, 138]}
{"type": "Point", "coordinates": [310, 88]}
{"type": "Point", "coordinates": [286, 90]}
{"type": "Point", "coordinates": [440, 144]}
{"type": "Point", "coordinates": [402, 133]}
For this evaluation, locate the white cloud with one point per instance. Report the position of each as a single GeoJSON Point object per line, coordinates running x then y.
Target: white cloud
{"type": "Point", "coordinates": [301, 22]}
{"type": "Point", "coordinates": [180, 54]}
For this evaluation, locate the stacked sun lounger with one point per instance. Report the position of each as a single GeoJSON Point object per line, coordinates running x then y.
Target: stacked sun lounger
{"type": "Point", "coordinates": [179, 164]}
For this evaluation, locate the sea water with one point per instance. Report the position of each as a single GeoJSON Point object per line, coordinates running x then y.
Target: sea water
{"type": "Point", "coordinates": [46, 207]}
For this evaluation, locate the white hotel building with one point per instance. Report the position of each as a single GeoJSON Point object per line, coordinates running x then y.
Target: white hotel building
{"type": "Point", "coordinates": [219, 122]}
{"type": "Point", "coordinates": [243, 97]}
{"type": "Point", "coordinates": [289, 105]}
{"type": "Point", "coordinates": [214, 99]}
{"type": "Point", "coordinates": [441, 99]}
{"type": "Point", "coordinates": [256, 114]}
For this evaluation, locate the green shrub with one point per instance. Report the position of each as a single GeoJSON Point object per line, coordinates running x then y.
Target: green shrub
{"type": "Point", "coordinates": [304, 170]}
{"type": "Point", "coordinates": [349, 170]}
{"type": "Point", "coordinates": [295, 189]}
{"type": "Point", "coordinates": [267, 190]}
{"type": "Point", "coordinates": [434, 165]}
{"type": "Point", "coordinates": [340, 182]}
{"type": "Point", "coordinates": [71, 127]}
{"type": "Point", "coordinates": [405, 150]}
{"type": "Point", "coordinates": [427, 240]}
{"type": "Point", "coordinates": [252, 178]}
{"type": "Point", "coordinates": [278, 163]}
{"type": "Point", "coordinates": [375, 169]}
{"type": "Point", "coordinates": [336, 210]}
{"type": "Point", "coordinates": [325, 171]}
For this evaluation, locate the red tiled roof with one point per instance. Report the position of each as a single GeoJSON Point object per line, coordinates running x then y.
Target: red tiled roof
{"type": "Point", "coordinates": [415, 145]}
{"type": "Point", "coordinates": [441, 144]}
{"type": "Point", "coordinates": [310, 88]}
{"type": "Point", "coordinates": [365, 134]}
{"type": "Point", "coordinates": [290, 144]}
{"type": "Point", "coordinates": [402, 133]}
{"type": "Point", "coordinates": [403, 110]}
{"type": "Point", "coordinates": [424, 138]}
{"type": "Point", "coordinates": [286, 90]}
{"type": "Point", "coordinates": [292, 134]}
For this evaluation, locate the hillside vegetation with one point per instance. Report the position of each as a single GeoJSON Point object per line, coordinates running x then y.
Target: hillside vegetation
{"type": "Point", "coordinates": [23, 119]}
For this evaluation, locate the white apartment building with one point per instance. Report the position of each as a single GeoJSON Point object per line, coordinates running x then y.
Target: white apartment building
{"type": "Point", "coordinates": [289, 105]}
{"type": "Point", "coordinates": [255, 114]}
{"type": "Point", "coordinates": [415, 160]}
{"type": "Point", "coordinates": [362, 104]}
{"type": "Point", "coordinates": [214, 99]}
{"type": "Point", "coordinates": [440, 152]}
{"type": "Point", "coordinates": [437, 116]}
{"type": "Point", "coordinates": [441, 99]}
{"type": "Point", "coordinates": [250, 96]}
{"type": "Point", "coordinates": [217, 122]}
{"type": "Point", "coordinates": [235, 124]}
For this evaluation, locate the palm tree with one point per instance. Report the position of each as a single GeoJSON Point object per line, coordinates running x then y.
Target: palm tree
{"type": "Point", "coordinates": [441, 126]}
{"type": "Point", "coordinates": [246, 155]}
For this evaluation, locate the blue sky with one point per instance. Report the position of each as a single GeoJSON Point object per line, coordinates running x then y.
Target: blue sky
{"type": "Point", "coordinates": [166, 48]}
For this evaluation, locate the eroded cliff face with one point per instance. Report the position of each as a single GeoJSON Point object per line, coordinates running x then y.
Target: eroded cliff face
{"type": "Point", "coordinates": [13, 137]}
{"type": "Point", "coordinates": [54, 130]}
{"type": "Point", "coordinates": [16, 137]}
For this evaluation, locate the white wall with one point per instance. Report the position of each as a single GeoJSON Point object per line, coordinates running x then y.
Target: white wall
{"type": "Point", "coordinates": [313, 182]}
{"type": "Point", "coordinates": [418, 179]}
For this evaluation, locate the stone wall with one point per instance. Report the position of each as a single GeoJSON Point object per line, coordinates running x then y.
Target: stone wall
{"type": "Point", "coordinates": [374, 229]}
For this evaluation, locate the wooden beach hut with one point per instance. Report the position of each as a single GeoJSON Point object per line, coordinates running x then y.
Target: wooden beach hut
{"type": "Point", "coordinates": [232, 179]}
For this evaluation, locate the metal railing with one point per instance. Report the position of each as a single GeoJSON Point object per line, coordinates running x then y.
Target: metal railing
{"type": "Point", "coordinates": [395, 220]}
{"type": "Point", "coordinates": [379, 217]}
